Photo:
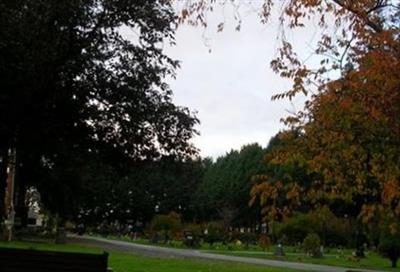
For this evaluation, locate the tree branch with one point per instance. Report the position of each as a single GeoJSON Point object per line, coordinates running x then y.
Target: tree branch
{"type": "Point", "coordinates": [377, 28]}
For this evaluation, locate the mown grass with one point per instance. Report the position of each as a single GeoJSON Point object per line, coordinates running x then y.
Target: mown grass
{"type": "Point", "coordinates": [125, 262]}
{"type": "Point", "coordinates": [293, 254]}
{"type": "Point", "coordinates": [372, 261]}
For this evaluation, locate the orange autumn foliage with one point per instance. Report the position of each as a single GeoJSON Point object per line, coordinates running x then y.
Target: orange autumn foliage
{"type": "Point", "coordinates": [349, 132]}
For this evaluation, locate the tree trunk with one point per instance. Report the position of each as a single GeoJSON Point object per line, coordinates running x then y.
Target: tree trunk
{"type": "Point", "coordinates": [3, 181]}
{"type": "Point", "coordinates": [21, 209]}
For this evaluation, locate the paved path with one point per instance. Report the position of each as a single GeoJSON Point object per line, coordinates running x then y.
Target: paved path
{"type": "Point", "coordinates": [163, 252]}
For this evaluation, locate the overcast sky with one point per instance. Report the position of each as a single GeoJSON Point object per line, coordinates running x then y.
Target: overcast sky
{"type": "Point", "coordinates": [231, 86]}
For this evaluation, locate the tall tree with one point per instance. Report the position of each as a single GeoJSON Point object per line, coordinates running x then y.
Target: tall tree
{"type": "Point", "coordinates": [138, 193]}
{"type": "Point", "coordinates": [224, 190]}
{"type": "Point", "coordinates": [349, 146]}
{"type": "Point", "coordinates": [72, 82]}
{"type": "Point", "coordinates": [349, 129]}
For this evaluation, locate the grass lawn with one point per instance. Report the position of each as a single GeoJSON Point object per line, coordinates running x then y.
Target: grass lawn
{"type": "Point", "coordinates": [125, 262]}
{"type": "Point", "coordinates": [372, 261]}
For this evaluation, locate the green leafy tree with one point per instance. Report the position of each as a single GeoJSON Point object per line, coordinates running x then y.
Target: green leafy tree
{"type": "Point", "coordinates": [72, 83]}
{"type": "Point", "coordinates": [133, 193]}
{"type": "Point", "coordinates": [224, 191]}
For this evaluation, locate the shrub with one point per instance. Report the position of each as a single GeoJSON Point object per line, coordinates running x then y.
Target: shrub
{"type": "Point", "coordinates": [106, 229]}
{"type": "Point", "coordinates": [232, 236]}
{"type": "Point", "coordinates": [312, 245]}
{"type": "Point", "coordinates": [215, 233]}
{"type": "Point", "coordinates": [153, 236]}
{"type": "Point", "coordinates": [264, 241]}
{"type": "Point", "coordinates": [192, 235]}
{"type": "Point", "coordinates": [195, 229]}
{"type": "Point", "coordinates": [69, 226]}
{"type": "Point", "coordinates": [248, 238]}
{"type": "Point", "coordinates": [295, 229]}
{"type": "Point", "coordinates": [167, 224]}
{"type": "Point", "coordinates": [389, 247]}
{"type": "Point", "coordinates": [332, 230]}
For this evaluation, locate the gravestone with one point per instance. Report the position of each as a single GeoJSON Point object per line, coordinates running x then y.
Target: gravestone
{"type": "Point", "coordinates": [279, 250]}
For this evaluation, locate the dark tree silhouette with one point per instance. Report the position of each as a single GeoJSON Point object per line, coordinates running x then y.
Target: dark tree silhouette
{"type": "Point", "coordinates": [72, 82]}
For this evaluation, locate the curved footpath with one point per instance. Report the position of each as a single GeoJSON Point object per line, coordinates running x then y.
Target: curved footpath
{"type": "Point", "coordinates": [164, 252]}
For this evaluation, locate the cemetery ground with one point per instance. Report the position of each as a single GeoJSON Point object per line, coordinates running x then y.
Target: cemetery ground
{"type": "Point", "coordinates": [331, 257]}
{"type": "Point", "coordinates": [371, 261]}
{"type": "Point", "coordinates": [128, 262]}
